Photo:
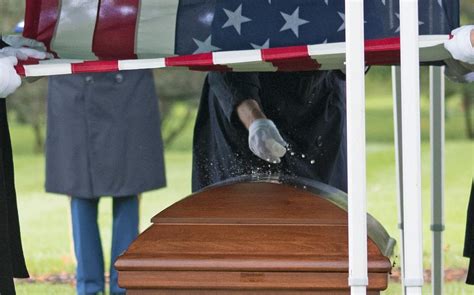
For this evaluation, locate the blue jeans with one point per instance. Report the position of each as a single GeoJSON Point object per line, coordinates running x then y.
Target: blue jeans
{"type": "Point", "coordinates": [88, 246]}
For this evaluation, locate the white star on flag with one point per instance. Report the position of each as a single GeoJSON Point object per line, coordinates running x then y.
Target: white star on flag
{"type": "Point", "coordinates": [205, 46]}
{"type": "Point", "coordinates": [293, 21]}
{"type": "Point", "coordinates": [398, 29]}
{"type": "Point", "coordinates": [343, 17]}
{"type": "Point", "coordinates": [264, 46]}
{"type": "Point", "coordinates": [236, 19]}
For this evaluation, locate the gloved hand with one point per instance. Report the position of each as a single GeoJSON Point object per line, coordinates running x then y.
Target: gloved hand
{"type": "Point", "coordinates": [9, 79]}
{"type": "Point", "coordinates": [18, 41]}
{"type": "Point", "coordinates": [460, 46]}
{"type": "Point", "coordinates": [24, 48]}
{"type": "Point", "coordinates": [25, 53]}
{"type": "Point", "coordinates": [266, 142]}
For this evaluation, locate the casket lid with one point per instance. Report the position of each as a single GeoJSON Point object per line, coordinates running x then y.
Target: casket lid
{"type": "Point", "coordinates": [254, 225]}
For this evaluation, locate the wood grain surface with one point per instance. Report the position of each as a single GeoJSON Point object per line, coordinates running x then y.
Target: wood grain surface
{"type": "Point", "coordinates": [245, 238]}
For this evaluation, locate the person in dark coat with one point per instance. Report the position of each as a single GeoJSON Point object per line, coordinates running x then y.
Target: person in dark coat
{"type": "Point", "coordinates": [12, 261]}
{"type": "Point", "coordinates": [267, 123]}
{"type": "Point", "coordinates": [103, 139]}
{"type": "Point", "coordinates": [461, 69]}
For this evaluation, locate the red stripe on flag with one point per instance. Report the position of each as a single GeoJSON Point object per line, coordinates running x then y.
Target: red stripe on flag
{"type": "Point", "coordinates": [114, 36]}
{"type": "Point", "coordinates": [29, 61]}
{"type": "Point", "coordinates": [32, 11]}
{"type": "Point", "coordinates": [95, 67]}
{"type": "Point", "coordinates": [41, 17]}
{"type": "Point", "coordinates": [382, 51]}
{"type": "Point", "coordinates": [199, 60]}
{"type": "Point", "coordinates": [20, 70]}
{"type": "Point", "coordinates": [294, 58]}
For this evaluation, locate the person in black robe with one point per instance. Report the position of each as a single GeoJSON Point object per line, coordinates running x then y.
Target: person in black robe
{"type": "Point", "coordinates": [302, 115]}
{"type": "Point", "coordinates": [12, 261]}
{"type": "Point", "coordinates": [461, 69]}
{"type": "Point", "coordinates": [469, 240]}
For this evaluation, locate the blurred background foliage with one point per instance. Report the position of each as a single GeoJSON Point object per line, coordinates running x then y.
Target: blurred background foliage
{"type": "Point", "coordinates": [179, 91]}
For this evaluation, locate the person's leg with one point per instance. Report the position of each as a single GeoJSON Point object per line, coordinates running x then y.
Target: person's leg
{"type": "Point", "coordinates": [87, 246]}
{"type": "Point", "coordinates": [125, 230]}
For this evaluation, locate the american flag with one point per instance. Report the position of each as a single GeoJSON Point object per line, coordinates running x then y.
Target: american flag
{"type": "Point", "coordinates": [243, 34]}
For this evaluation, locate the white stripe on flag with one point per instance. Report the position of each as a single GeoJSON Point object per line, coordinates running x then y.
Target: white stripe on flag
{"type": "Point", "coordinates": [329, 55]}
{"type": "Point", "coordinates": [61, 61]}
{"type": "Point", "coordinates": [75, 29]}
{"type": "Point", "coordinates": [253, 67]}
{"type": "Point", "coordinates": [243, 61]}
{"type": "Point", "coordinates": [432, 48]}
{"type": "Point", "coordinates": [156, 28]}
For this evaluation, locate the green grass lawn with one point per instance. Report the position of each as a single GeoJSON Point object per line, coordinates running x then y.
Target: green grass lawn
{"type": "Point", "coordinates": [455, 288]}
{"type": "Point", "coordinates": [45, 217]}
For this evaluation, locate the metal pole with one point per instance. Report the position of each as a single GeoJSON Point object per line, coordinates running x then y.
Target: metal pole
{"type": "Point", "coordinates": [411, 144]}
{"type": "Point", "coordinates": [397, 124]}
{"type": "Point", "coordinates": [437, 175]}
{"type": "Point", "coordinates": [356, 158]}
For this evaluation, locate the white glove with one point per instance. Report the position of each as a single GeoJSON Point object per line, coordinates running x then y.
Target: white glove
{"type": "Point", "coordinates": [24, 48]}
{"type": "Point", "coordinates": [266, 142]}
{"type": "Point", "coordinates": [460, 45]}
{"type": "Point", "coordinates": [9, 79]}
{"type": "Point", "coordinates": [18, 41]}
{"type": "Point", "coordinates": [25, 53]}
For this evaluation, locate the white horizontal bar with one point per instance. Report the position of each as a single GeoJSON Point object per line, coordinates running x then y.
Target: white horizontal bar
{"type": "Point", "coordinates": [41, 70]}
{"type": "Point", "coordinates": [232, 57]}
{"type": "Point", "coordinates": [140, 64]}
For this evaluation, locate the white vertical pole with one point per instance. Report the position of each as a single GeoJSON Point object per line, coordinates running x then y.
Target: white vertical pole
{"type": "Point", "coordinates": [437, 175]}
{"type": "Point", "coordinates": [412, 211]}
{"type": "Point", "coordinates": [397, 120]}
{"type": "Point", "coordinates": [356, 158]}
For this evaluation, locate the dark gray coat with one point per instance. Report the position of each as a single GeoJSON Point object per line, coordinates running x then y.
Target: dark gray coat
{"type": "Point", "coordinates": [103, 135]}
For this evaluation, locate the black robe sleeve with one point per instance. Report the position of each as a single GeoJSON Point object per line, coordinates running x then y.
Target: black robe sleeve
{"type": "Point", "coordinates": [231, 89]}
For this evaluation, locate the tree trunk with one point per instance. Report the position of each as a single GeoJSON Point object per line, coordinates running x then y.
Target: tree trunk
{"type": "Point", "coordinates": [173, 134]}
{"type": "Point", "coordinates": [467, 101]}
{"type": "Point", "coordinates": [39, 140]}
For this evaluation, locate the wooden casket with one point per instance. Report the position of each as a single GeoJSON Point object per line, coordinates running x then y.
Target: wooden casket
{"type": "Point", "coordinates": [248, 236]}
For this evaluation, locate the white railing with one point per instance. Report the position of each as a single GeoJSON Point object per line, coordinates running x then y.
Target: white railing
{"type": "Point", "coordinates": [406, 90]}
{"type": "Point", "coordinates": [356, 158]}
{"type": "Point", "coordinates": [411, 148]}
{"type": "Point", "coordinates": [437, 176]}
